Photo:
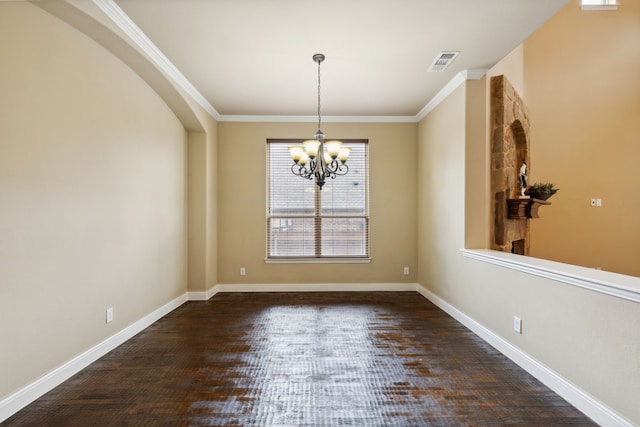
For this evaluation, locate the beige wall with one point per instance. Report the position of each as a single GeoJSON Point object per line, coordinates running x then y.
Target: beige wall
{"type": "Point", "coordinates": [588, 338]}
{"type": "Point", "coordinates": [202, 208]}
{"type": "Point", "coordinates": [242, 204]}
{"type": "Point", "coordinates": [583, 91]}
{"type": "Point", "coordinates": [92, 193]}
{"type": "Point", "coordinates": [441, 194]}
{"type": "Point", "coordinates": [93, 186]}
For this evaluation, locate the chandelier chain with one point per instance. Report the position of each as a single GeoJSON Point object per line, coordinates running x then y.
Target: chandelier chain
{"type": "Point", "coordinates": [314, 161]}
{"type": "Point", "coordinates": [319, 117]}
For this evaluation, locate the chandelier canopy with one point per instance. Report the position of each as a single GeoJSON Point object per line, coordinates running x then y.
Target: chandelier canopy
{"type": "Point", "coordinates": [316, 159]}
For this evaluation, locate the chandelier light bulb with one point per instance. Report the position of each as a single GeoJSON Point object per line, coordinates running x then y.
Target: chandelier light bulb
{"type": "Point", "coordinates": [296, 152]}
{"type": "Point", "coordinates": [333, 148]}
{"type": "Point", "coordinates": [343, 155]}
{"type": "Point", "coordinates": [311, 147]}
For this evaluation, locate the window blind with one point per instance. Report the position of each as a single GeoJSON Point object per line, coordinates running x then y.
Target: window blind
{"type": "Point", "coordinates": [306, 222]}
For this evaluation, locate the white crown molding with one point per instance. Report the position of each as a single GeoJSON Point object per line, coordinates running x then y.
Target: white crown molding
{"type": "Point", "coordinates": [314, 119]}
{"type": "Point", "coordinates": [137, 36]}
{"type": "Point", "coordinates": [453, 84]}
{"type": "Point", "coordinates": [617, 285]}
{"type": "Point", "coordinates": [448, 89]}
{"type": "Point", "coordinates": [474, 74]}
{"type": "Point", "coordinates": [18, 400]}
{"type": "Point", "coordinates": [122, 21]}
{"type": "Point", "coordinates": [582, 400]}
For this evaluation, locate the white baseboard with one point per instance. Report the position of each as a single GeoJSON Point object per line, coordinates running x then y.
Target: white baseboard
{"type": "Point", "coordinates": [577, 397]}
{"type": "Point", "coordinates": [203, 296]}
{"type": "Point", "coordinates": [18, 400]}
{"type": "Point", "coordinates": [574, 395]}
{"type": "Point", "coordinates": [317, 287]}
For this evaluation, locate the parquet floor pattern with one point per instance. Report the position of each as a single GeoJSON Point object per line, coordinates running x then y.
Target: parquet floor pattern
{"type": "Point", "coordinates": [303, 359]}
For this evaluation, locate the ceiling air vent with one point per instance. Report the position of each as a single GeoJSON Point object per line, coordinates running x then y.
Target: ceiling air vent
{"type": "Point", "coordinates": [442, 61]}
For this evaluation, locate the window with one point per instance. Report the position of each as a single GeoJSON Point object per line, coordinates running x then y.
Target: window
{"type": "Point", "coordinates": [304, 222]}
{"type": "Point", "coordinates": [599, 4]}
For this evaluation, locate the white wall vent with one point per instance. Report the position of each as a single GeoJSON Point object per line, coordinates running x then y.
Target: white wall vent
{"type": "Point", "coordinates": [442, 61]}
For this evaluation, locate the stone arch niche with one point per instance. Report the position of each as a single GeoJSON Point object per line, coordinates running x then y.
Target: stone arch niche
{"type": "Point", "coordinates": [509, 150]}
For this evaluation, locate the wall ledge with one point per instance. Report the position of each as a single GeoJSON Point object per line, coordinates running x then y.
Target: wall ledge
{"type": "Point", "coordinates": [613, 284]}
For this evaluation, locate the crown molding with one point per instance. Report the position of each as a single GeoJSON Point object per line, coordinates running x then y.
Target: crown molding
{"type": "Point", "coordinates": [448, 89]}
{"type": "Point", "coordinates": [137, 36]}
{"type": "Point", "coordinates": [474, 74]}
{"type": "Point", "coordinates": [454, 83]}
{"type": "Point", "coordinates": [325, 119]}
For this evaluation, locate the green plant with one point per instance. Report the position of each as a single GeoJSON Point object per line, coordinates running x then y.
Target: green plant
{"type": "Point", "coordinates": [538, 188]}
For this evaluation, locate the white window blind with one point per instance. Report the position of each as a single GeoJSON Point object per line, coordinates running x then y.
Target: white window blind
{"type": "Point", "coordinates": [599, 4]}
{"type": "Point", "coordinates": [306, 222]}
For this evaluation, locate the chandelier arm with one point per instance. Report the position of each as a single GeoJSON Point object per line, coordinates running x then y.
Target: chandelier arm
{"type": "Point", "coordinates": [299, 168]}
{"type": "Point", "coordinates": [302, 171]}
{"type": "Point", "coordinates": [343, 169]}
{"type": "Point", "coordinates": [336, 168]}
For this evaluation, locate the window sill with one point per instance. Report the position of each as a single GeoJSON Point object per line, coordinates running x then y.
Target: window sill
{"type": "Point", "coordinates": [617, 285]}
{"type": "Point", "coordinates": [599, 7]}
{"type": "Point", "coordinates": [317, 260]}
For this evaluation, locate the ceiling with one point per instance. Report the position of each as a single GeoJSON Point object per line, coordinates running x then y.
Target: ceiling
{"type": "Point", "coordinates": [254, 57]}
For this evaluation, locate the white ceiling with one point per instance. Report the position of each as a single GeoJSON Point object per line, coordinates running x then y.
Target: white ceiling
{"type": "Point", "coordinates": [254, 57]}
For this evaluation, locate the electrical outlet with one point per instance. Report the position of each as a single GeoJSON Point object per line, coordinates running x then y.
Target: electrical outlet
{"type": "Point", "coordinates": [517, 324]}
{"type": "Point", "coordinates": [109, 318]}
{"type": "Point", "coordinates": [406, 271]}
{"type": "Point", "coordinates": [593, 203]}
{"type": "Point", "coordinates": [243, 271]}
{"type": "Point", "coordinates": [599, 203]}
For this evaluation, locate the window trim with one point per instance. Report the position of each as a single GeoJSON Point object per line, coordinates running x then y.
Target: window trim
{"type": "Point", "coordinates": [365, 259]}
{"type": "Point", "coordinates": [325, 260]}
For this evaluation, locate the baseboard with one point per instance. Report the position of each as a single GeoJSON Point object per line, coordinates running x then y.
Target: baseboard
{"type": "Point", "coordinates": [202, 296]}
{"type": "Point", "coordinates": [584, 402]}
{"type": "Point", "coordinates": [18, 400]}
{"type": "Point", "coordinates": [577, 397]}
{"type": "Point", "coordinates": [317, 287]}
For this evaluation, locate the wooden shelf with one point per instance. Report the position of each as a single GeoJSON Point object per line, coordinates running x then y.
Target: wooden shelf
{"type": "Point", "coordinates": [524, 208]}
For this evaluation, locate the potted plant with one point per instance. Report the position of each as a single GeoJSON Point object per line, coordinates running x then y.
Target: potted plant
{"type": "Point", "coordinates": [541, 191]}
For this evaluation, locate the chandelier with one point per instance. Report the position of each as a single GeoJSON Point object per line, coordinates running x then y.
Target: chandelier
{"type": "Point", "coordinates": [316, 158]}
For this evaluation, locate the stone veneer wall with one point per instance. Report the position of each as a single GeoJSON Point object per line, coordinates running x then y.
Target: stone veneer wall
{"type": "Point", "coordinates": [509, 149]}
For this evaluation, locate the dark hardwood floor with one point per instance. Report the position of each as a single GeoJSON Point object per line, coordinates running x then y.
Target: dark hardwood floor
{"type": "Point", "coordinates": [303, 359]}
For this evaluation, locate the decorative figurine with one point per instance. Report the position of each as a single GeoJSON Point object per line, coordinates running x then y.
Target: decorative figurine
{"type": "Point", "coordinates": [523, 181]}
